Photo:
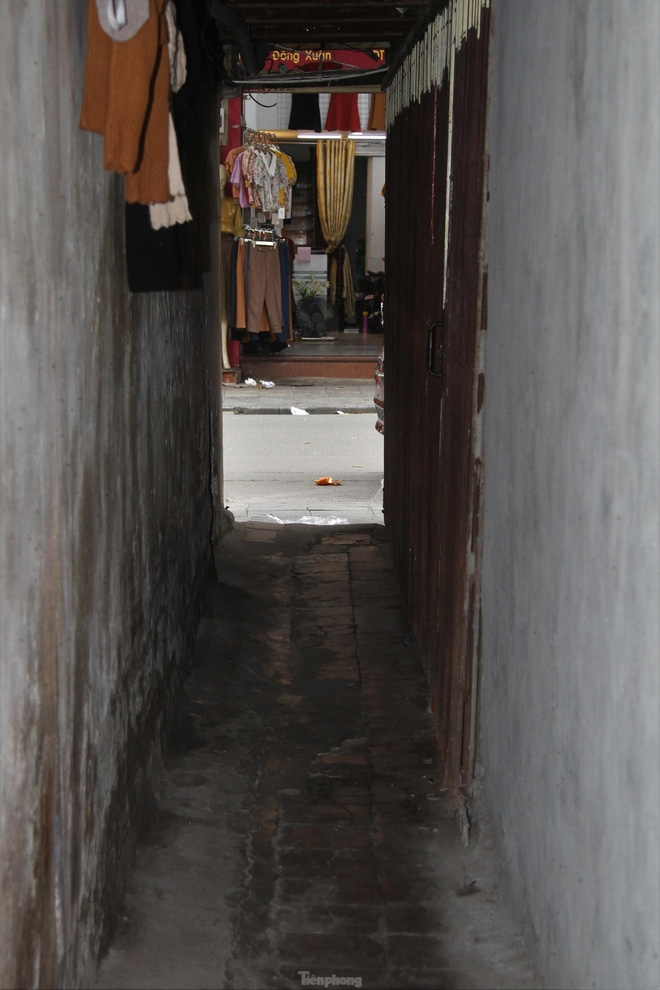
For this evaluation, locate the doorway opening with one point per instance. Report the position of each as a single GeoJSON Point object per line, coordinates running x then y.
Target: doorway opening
{"type": "Point", "coordinates": [303, 412]}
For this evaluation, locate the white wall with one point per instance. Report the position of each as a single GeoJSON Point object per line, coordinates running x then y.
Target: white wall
{"type": "Point", "coordinates": [571, 585]}
{"type": "Point", "coordinates": [375, 246]}
{"type": "Point", "coordinates": [263, 115]}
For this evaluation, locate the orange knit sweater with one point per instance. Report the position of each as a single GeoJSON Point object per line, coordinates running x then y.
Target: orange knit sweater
{"type": "Point", "coordinates": [126, 99]}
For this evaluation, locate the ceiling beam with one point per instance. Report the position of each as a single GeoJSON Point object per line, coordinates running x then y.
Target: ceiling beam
{"type": "Point", "coordinates": [321, 23]}
{"type": "Point", "coordinates": [323, 13]}
{"type": "Point", "coordinates": [330, 4]}
{"type": "Point", "coordinates": [277, 32]}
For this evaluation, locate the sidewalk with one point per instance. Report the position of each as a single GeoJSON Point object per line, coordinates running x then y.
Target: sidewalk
{"type": "Point", "coordinates": [302, 833]}
{"type": "Point", "coordinates": [315, 395]}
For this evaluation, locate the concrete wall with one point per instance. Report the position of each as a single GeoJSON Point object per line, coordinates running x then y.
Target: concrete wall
{"type": "Point", "coordinates": [571, 569]}
{"type": "Point", "coordinates": [105, 414]}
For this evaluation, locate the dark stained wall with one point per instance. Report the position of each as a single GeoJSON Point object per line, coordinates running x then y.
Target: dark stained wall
{"type": "Point", "coordinates": [108, 436]}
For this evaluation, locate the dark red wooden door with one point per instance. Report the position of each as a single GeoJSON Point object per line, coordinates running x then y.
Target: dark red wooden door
{"type": "Point", "coordinates": [434, 316]}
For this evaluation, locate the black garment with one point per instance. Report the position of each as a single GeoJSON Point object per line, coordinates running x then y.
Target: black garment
{"type": "Point", "coordinates": [185, 103]}
{"type": "Point", "coordinates": [231, 294]}
{"type": "Point", "coordinates": [285, 283]}
{"type": "Point", "coordinates": [161, 260]}
{"type": "Point", "coordinates": [305, 113]}
{"type": "Point", "coordinates": [153, 257]}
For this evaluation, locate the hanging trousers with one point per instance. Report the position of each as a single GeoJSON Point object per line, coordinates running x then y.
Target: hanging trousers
{"type": "Point", "coordinates": [226, 249]}
{"type": "Point", "coordinates": [264, 286]}
{"type": "Point", "coordinates": [285, 283]}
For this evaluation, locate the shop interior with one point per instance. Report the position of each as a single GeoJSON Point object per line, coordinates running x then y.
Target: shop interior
{"type": "Point", "coordinates": [335, 313]}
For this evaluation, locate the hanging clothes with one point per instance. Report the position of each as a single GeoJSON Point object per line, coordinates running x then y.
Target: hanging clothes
{"type": "Point", "coordinates": [264, 288]}
{"type": "Point", "coordinates": [176, 209]}
{"type": "Point", "coordinates": [238, 182]}
{"type": "Point", "coordinates": [186, 103]}
{"type": "Point", "coordinates": [261, 176]}
{"type": "Point", "coordinates": [231, 220]}
{"type": "Point", "coordinates": [285, 285]}
{"type": "Point", "coordinates": [155, 259]}
{"type": "Point", "coordinates": [289, 166]}
{"type": "Point", "coordinates": [126, 99]}
{"type": "Point", "coordinates": [305, 113]}
{"type": "Point", "coordinates": [260, 293]}
{"type": "Point", "coordinates": [265, 178]}
{"type": "Point", "coordinates": [292, 299]}
{"type": "Point", "coordinates": [231, 227]}
{"type": "Point", "coordinates": [240, 277]}
{"type": "Point", "coordinates": [230, 163]}
{"type": "Point", "coordinates": [377, 112]}
{"type": "Point", "coordinates": [343, 113]}
{"type": "Point", "coordinates": [231, 290]}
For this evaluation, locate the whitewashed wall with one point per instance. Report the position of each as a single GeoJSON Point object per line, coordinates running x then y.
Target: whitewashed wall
{"type": "Point", "coordinates": [571, 587]}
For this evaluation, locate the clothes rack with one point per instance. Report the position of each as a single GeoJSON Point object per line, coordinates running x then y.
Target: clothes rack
{"type": "Point", "coordinates": [265, 235]}
{"type": "Point", "coordinates": [261, 174]}
{"type": "Point", "coordinates": [262, 140]}
{"type": "Point", "coordinates": [260, 300]}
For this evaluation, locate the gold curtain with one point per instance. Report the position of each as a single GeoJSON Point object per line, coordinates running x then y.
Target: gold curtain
{"type": "Point", "coordinates": [335, 172]}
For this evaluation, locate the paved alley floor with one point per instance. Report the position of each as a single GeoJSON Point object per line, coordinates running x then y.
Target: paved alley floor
{"type": "Point", "coordinates": [302, 831]}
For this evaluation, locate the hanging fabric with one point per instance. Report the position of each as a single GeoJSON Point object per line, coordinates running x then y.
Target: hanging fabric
{"type": "Point", "coordinates": [261, 174]}
{"type": "Point", "coordinates": [343, 113]}
{"type": "Point", "coordinates": [377, 108]}
{"type": "Point", "coordinates": [260, 297]}
{"type": "Point", "coordinates": [231, 220]}
{"type": "Point", "coordinates": [126, 99]}
{"type": "Point", "coordinates": [176, 209]}
{"type": "Point", "coordinates": [305, 113]}
{"type": "Point", "coordinates": [335, 173]}
{"type": "Point", "coordinates": [259, 309]}
{"type": "Point", "coordinates": [134, 74]}
{"type": "Point", "coordinates": [155, 259]}
{"type": "Point", "coordinates": [186, 103]}
{"type": "Point", "coordinates": [122, 19]}
{"type": "Point", "coordinates": [264, 288]}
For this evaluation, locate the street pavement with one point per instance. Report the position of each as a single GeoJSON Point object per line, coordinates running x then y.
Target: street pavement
{"type": "Point", "coordinates": [316, 395]}
{"type": "Point", "coordinates": [271, 462]}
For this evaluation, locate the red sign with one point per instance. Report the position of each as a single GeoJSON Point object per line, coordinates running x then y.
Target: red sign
{"type": "Point", "coordinates": [336, 59]}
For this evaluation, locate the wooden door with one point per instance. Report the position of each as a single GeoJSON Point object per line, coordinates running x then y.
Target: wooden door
{"type": "Point", "coordinates": [435, 313]}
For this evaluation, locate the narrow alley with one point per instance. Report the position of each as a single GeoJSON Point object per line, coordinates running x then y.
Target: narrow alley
{"type": "Point", "coordinates": [415, 749]}
{"type": "Point", "coordinates": [301, 828]}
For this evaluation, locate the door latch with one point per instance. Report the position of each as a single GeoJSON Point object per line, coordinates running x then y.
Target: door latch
{"type": "Point", "coordinates": [433, 351]}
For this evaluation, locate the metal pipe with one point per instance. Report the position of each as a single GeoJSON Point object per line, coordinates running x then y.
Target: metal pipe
{"type": "Point", "coordinates": [237, 25]}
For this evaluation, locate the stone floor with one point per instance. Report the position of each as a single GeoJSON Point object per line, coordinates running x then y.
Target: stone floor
{"type": "Point", "coordinates": [303, 837]}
